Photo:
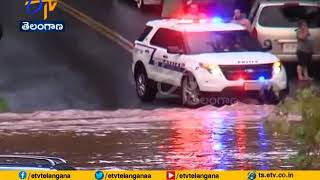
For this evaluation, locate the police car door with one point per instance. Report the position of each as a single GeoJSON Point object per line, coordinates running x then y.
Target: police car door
{"type": "Point", "coordinates": [143, 52]}
{"type": "Point", "coordinates": [173, 59]}
{"type": "Point", "coordinates": [159, 42]}
{"type": "Point", "coordinates": [165, 64]}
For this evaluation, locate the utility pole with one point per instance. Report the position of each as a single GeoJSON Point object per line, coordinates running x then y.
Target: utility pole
{"type": "Point", "coordinates": [1, 31]}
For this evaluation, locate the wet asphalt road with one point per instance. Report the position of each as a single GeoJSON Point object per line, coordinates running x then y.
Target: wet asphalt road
{"type": "Point", "coordinates": [76, 69]}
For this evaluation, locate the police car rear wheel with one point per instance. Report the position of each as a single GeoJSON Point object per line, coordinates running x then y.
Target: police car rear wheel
{"type": "Point", "coordinates": [146, 89]}
{"type": "Point", "coordinates": [190, 93]}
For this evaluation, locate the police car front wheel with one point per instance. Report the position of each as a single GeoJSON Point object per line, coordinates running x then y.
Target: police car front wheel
{"type": "Point", "coordinates": [271, 97]}
{"type": "Point", "coordinates": [190, 92]}
{"type": "Point", "coordinates": [146, 88]}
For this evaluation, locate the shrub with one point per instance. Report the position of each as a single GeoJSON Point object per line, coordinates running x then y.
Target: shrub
{"type": "Point", "coordinates": [308, 134]}
{"type": "Point", "coordinates": [306, 105]}
{"type": "Point", "coordinates": [3, 105]}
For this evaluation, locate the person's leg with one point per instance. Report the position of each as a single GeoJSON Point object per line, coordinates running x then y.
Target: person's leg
{"type": "Point", "coordinates": [307, 60]}
{"type": "Point", "coordinates": [299, 72]}
{"type": "Point", "coordinates": [306, 73]}
{"type": "Point", "coordinates": [300, 66]}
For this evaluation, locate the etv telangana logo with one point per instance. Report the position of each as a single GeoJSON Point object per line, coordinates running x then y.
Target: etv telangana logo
{"type": "Point", "coordinates": [35, 6]}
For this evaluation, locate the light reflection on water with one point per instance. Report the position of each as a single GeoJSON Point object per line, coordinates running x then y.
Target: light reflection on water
{"type": "Point", "coordinates": [263, 147]}
{"type": "Point", "coordinates": [217, 143]}
{"type": "Point", "coordinates": [227, 138]}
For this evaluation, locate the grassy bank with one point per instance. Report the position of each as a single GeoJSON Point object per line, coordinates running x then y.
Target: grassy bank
{"type": "Point", "coordinates": [3, 106]}
{"type": "Point", "coordinates": [300, 117]}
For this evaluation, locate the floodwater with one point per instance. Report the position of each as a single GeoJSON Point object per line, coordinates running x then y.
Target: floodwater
{"type": "Point", "coordinates": [232, 137]}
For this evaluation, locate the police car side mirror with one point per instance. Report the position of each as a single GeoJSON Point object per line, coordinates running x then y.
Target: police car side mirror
{"type": "Point", "coordinates": [267, 45]}
{"type": "Point", "coordinates": [175, 50]}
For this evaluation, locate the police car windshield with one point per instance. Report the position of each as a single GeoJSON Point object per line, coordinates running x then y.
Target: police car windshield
{"type": "Point", "coordinates": [220, 41]}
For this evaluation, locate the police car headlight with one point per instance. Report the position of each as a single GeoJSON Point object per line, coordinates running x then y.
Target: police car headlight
{"type": "Point", "coordinates": [211, 68]}
{"type": "Point", "coordinates": [277, 67]}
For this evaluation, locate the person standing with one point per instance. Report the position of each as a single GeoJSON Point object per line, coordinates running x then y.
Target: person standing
{"type": "Point", "coordinates": [193, 11]}
{"type": "Point", "coordinates": [239, 18]}
{"type": "Point", "coordinates": [304, 50]}
{"type": "Point", "coordinates": [181, 9]}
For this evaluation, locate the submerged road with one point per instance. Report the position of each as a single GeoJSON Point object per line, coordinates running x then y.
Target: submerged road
{"type": "Point", "coordinates": [233, 137]}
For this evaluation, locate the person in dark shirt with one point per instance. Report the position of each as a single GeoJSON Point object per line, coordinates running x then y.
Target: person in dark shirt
{"type": "Point", "coordinates": [304, 50]}
{"type": "Point", "coordinates": [239, 18]}
{"type": "Point", "coordinates": [181, 9]}
{"type": "Point", "coordinates": [193, 11]}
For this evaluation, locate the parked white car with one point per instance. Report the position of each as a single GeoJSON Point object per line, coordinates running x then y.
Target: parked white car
{"type": "Point", "coordinates": [142, 3]}
{"type": "Point", "coordinates": [275, 22]}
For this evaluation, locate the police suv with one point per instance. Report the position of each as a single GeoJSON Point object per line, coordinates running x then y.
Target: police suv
{"type": "Point", "coordinates": [204, 56]}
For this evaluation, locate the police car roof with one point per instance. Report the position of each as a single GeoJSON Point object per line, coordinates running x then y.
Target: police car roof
{"type": "Point", "coordinates": [176, 24]}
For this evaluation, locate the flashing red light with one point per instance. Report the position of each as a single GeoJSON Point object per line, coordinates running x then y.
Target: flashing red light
{"type": "Point", "coordinates": [254, 33]}
{"type": "Point", "coordinates": [189, 20]}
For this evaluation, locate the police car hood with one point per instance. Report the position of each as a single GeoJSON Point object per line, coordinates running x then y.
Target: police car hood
{"type": "Point", "coordinates": [235, 58]}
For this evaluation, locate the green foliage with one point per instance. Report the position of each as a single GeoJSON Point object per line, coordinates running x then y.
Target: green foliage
{"type": "Point", "coordinates": [3, 105]}
{"type": "Point", "coordinates": [307, 132]}
{"type": "Point", "coordinates": [290, 105]}
{"type": "Point", "coordinates": [278, 127]}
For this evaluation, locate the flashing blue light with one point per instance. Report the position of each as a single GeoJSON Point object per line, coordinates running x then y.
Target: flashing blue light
{"type": "Point", "coordinates": [217, 20]}
{"type": "Point", "coordinates": [262, 78]}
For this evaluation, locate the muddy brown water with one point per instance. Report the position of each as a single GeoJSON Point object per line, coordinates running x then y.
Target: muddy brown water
{"type": "Point", "coordinates": [232, 137]}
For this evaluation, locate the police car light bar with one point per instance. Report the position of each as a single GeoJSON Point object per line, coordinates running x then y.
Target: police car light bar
{"type": "Point", "coordinates": [202, 21]}
{"type": "Point", "coordinates": [186, 21]}
{"type": "Point", "coordinates": [217, 20]}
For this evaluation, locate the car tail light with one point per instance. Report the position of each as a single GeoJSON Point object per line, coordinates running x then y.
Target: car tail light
{"type": "Point", "coordinates": [254, 33]}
